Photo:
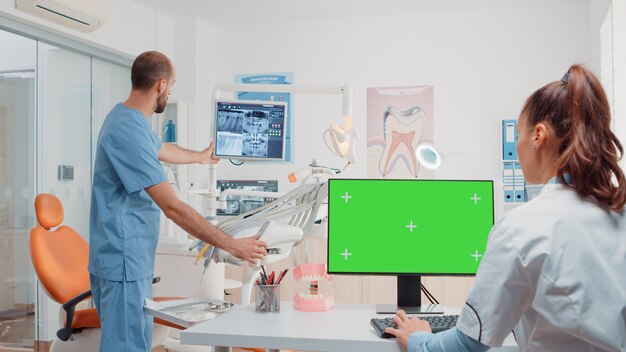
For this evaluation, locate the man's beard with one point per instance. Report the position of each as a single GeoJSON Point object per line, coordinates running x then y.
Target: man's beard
{"type": "Point", "coordinates": [161, 103]}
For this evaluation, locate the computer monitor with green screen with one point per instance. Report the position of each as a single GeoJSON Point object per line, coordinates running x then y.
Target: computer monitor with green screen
{"type": "Point", "coordinates": [408, 228]}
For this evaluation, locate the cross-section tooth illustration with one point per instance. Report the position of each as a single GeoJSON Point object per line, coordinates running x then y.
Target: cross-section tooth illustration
{"type": "Point", "coordinates": [402, 131]}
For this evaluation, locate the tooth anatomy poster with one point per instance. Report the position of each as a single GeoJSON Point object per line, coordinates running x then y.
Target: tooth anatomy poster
{"type": "Point", "coordinates": [398, 120]}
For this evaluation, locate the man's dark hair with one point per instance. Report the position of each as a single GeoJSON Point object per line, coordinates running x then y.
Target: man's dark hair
{"type": "Point", "coordinates": [149, 68]}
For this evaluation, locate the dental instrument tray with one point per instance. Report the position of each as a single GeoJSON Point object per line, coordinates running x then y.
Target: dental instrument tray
{"type": "Point", "coordinates": [187, 312]}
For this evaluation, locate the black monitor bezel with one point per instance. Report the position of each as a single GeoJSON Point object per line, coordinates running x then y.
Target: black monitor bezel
{"type": "Point", "coordinates": [397, 273]}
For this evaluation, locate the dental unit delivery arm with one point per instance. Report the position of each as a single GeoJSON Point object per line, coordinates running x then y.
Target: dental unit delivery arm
{"type": "Point", "coordinates": [290, 218]}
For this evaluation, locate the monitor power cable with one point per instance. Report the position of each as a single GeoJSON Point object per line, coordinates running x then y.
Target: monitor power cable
{"type": "Point", "coordinates": [428, 295]}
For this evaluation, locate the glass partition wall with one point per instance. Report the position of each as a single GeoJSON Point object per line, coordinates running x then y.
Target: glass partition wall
{"type": "Point", "coordinates": [53, 101]}
{"type": "Point", "coordinates": [17, 186]}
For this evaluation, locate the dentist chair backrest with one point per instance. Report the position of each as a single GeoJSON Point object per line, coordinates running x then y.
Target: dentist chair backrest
{"type": "Point", "coordinates": [59, 256]}
{"type": "Point", "coordinates": [288, 220]}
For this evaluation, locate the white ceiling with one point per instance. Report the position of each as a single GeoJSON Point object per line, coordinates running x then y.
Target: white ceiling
{"type": "Point", "coordinates": [254, 12]}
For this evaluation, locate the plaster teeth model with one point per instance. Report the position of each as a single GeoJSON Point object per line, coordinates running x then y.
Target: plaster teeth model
{"type": "Point", "coordinates": [313, 300]}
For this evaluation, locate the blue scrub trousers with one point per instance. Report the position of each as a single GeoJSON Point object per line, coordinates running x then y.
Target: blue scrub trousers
{"type": "Point", "coordinates": [125, 325]}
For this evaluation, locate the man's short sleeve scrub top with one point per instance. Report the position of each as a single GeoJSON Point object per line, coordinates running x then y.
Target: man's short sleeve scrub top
{"type": "Point", "coordinates": [124, 222]}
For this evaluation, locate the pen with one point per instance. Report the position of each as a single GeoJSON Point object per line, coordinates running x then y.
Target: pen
{"type": "Point", "coordinates": [281, 276]}
{"type": "Point", "coordinates": [270, 281]}
{"type": "Point", "coordinates": [264, 274]}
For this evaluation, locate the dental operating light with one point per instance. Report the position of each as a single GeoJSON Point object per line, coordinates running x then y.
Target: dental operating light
{"type": "Point", "coordinates": [428, 156]}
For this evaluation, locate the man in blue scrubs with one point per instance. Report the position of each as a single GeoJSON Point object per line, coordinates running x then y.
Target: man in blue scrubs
{"type": "Point", "coordinates": [129, 187]}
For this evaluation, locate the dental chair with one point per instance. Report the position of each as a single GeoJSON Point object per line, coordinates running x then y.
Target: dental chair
{"type": "Point", "coordinates": [60, 258]}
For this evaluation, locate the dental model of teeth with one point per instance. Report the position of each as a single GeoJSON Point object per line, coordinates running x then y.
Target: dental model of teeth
{"type": "Point", "coordinates": [312, 300]}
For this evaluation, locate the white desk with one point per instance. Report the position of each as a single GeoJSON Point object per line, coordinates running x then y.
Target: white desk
{"type": "Point", "coordinates": [343, 328]}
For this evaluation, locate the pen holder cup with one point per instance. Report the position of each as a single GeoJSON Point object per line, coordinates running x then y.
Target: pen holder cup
{"type": "Point", "coordinates": [267, 298]}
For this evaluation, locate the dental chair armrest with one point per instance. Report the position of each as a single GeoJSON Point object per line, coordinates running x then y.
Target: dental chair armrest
{"type": "Point", "coordinates": [65, 333]}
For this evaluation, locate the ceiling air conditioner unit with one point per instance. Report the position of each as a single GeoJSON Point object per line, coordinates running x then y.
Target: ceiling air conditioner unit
{"type": "Point", "coordinates": [83, 15]}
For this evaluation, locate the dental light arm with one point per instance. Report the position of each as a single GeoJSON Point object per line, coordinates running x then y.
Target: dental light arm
{"type": "Point", "coordinates": [290, 88]}
{"type": "Point", "coordinates": [342, 140]}
{"type": "Point", "coordinates": [315, 170]}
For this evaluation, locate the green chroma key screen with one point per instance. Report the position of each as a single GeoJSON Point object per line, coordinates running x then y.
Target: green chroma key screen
{"type": "Point", "coordinates": [427, 227]}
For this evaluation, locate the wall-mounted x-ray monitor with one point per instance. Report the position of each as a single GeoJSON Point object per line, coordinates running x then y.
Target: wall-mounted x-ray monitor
{"type": "Point", "coordinates": [250, 130]}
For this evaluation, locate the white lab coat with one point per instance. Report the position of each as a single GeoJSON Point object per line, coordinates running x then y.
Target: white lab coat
{"type": "Point", "coordinates": [555, 272]}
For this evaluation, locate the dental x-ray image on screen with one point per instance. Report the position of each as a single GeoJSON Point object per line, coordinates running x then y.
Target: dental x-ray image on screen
{"type": "Point", "coordinates": [250, 130]}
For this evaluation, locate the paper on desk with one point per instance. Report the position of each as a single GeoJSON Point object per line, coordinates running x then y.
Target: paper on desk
{"type": "Point", "coordinates": [187, 312]}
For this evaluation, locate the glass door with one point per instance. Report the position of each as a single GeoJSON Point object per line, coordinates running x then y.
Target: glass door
{"type": "Point", "coordinates": [76, 92]}
{"type": "Point", "coordinates": [52, 104]}
{"type": "Point", "coordinates": [110, 85]}
{"type": "Point", "coordinates": [17, 187]}
{"type": "Point", "coordinates": [64, 153]}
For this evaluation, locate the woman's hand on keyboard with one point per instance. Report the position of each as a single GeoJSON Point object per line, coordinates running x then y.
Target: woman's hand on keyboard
{"type": "Point", "coordinates": [406, 326]}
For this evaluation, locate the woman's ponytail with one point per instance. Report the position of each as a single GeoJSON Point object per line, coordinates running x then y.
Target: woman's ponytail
{"type": "Point", "coordinates": [579, 111]}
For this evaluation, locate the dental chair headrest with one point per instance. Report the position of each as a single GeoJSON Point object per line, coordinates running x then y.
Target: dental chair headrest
{"type": "Point", "coordinates": [49, 210]}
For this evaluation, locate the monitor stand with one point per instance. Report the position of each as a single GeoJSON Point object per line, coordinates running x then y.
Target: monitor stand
{"type": "Point", "coordinates": [409, 298]}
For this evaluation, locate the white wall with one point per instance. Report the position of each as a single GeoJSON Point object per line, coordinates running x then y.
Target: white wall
{"type": "Point", "coordinates": [600, 40]}
{"type": "Point", "coordinates": [607, 33]}
{"type": "Point", "coordinates": [617, 58]}
{"type": "Point", "coordinates": [129, 29]}
{"type": "Point", "coordinates": [483, 64]}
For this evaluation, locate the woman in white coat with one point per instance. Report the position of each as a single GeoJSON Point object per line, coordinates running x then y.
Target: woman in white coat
{"type": "Point", "coordinates": [554, 271]}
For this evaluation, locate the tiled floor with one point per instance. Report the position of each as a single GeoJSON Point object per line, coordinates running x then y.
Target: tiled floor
{"type": "Point", "coordinates": [15, 349]}
{"type": "Point", "coordinates": [19, 337]}
{"type": "Point", "coordinates": [17, 334]}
